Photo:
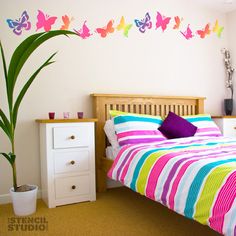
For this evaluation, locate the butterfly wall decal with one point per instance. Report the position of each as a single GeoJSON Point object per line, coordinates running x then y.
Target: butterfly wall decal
{"type": "Point", "coordinates": [144, 23]}
{"type": "Point", "coordinates": [66, 22]}
{"type": "Point", "coordinates": [204, 32]}
{"type": "Point", "coordinates": [84, 32]}
{"type": "Point", "coordinates": [218, 29]}
{"type": "Point", "coordinates": [124, 27]}
{"type": "Point", "coordinates": [177, 22]}
{"type": "Point", "coordinates": [20, 24]}
{"type": "Point", "coordinates": [45, 21]}
{"type": "Point", "coordinates": [162, 21]}
{"type": "Point", "coordinates": [188, 34]}
{"type": "Point", "coordinates": [108, 29]}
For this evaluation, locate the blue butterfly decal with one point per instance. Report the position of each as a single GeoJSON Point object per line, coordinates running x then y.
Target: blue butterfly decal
{"type": "Point", "coordinates": [144, 23]}
{"type": "Point", "coordinates": [19, 25]}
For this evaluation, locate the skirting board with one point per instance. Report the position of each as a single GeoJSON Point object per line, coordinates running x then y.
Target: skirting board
{"type": "Point", "coordinates": [6, 198]}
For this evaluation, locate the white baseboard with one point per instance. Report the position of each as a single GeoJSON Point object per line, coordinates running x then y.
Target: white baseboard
{"type": "Point", "coordinates": [6, 198]}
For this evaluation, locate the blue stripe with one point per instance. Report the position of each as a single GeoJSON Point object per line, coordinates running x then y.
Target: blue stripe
{"type": "Point", "coordinates": [197, 184]}
{"type": "Point", "coordinates": [138, 168]}
{"type": "Point", "coordinates": [123, 119]}
{"type": "Point", "coordinates": [198, 119]}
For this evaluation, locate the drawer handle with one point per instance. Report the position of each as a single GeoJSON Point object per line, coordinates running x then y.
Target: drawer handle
{"type": "Point", "coordinates": [73, 187]}
{"type": "Point", "coordinates": [72, 137]}
{"type": "Point", "coordinates": [72, 162]}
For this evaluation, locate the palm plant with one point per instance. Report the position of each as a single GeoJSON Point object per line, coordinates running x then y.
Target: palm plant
{"type": "Point", "coordinates": [18, 59]}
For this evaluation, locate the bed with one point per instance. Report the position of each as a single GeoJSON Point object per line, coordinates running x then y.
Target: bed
{"type": "Point", "coordinates": [194, 176]}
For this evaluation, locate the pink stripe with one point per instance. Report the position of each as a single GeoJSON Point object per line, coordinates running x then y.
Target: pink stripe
{"type": "Point", "coordinates": [138, 132]}
{"type": "Point", "coordinates": [123, 149]}
{"type": "Point", "coordinates": [207, 129]}
{"type": "Point", "coordinates": [126, 167]}
{"type": "Point", "coordinates": [155, 173]}
{"type": "Point", "coordinates": [223, 203]}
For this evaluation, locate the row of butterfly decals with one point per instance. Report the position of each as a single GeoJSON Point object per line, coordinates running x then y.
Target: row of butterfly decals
{"type": "Point", "coordinates": [162, 22]}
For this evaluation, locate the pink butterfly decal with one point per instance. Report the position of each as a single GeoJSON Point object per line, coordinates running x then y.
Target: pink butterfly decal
{"type": "Point", "coordinates": [20, 24]}
{"type": "Point", "coordinates": [162, 21]}
{"type": "Point", "coordinates": [106, 30]}
{"type": "Point", "coordinates": [188, 34]}
{"type": "Point", "coordinates": [45, 21]}
{"type": "Point", "coordinates": [66, 22]}
{"type": "Point", "coordinates": [84, 32]}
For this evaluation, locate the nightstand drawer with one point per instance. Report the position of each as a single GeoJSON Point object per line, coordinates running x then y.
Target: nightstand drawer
{"type": "Point", "coordinates": [72, 186]}
{"type": "Point", "coordinates": [71, 161]}
{"type": "Point", "coordinates": [68, 137]}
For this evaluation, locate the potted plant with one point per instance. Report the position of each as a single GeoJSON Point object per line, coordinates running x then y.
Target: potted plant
{"type": "Point", "coordinates": [23, 197]}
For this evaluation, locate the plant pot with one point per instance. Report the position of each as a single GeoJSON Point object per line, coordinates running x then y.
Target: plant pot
{"type": "Point", "coordinates": [228, 106]}
{"type": "Point", "coordinates": [24, 203]}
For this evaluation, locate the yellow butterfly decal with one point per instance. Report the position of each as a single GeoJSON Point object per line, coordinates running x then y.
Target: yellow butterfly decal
{"type": "Point", "coordinates": [218, 29]}
{"type": "Point", "coordinates": [124, 27]}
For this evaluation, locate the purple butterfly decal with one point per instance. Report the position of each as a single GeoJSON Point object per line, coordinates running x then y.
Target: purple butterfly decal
{"type": "Point", "coordinates": [19, 25]}
{"type": "Point", "coordinates": [144, 23]}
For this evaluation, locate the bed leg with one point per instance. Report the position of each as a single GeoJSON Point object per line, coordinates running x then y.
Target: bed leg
{"type": "Point", "coordinates": [101, 181]}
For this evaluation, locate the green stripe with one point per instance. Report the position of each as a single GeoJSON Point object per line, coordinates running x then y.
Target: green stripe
{"type": "Point", "coordinates": [209, 192]}
{"type": "Point", "coordinates": [145, 171]}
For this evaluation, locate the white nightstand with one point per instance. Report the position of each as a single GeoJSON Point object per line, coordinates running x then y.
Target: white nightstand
{"type": "Point", "coordinates": [67, 154]}
{"type": "Point", "coordinates": [227, 125]}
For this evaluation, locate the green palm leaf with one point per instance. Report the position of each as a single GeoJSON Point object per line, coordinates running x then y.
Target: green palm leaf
{"type": "Point", "coordinates": [7, 156]}
{"type": "Point", "coordinates": [26, 87]}
{"type": "Point", "coordinates": [24, 50]}
{"type": "Point", "coordinates": [5, 121]}
{"type": "Point", "coordinates": [15, 59]}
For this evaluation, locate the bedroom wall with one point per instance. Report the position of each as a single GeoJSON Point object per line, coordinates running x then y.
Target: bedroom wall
{"type": "Point", "coordinates": [150, 63]}
{"type": "Point", "coordinates": [231, 22]}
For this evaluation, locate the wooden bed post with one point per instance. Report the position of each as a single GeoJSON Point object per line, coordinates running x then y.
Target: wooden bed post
{"type": "Point", "coordinates": [100, 143]}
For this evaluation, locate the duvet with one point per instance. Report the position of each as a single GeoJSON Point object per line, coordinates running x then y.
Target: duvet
{"type": "Point", "coordinates": [196, 177]}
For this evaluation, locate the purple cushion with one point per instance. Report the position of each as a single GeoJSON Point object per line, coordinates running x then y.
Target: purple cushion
{"type": "Point", "coordinates": [175, 126]}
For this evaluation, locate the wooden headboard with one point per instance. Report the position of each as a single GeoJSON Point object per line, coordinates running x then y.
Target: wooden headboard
{"type": "Point", "coordinates": [141, 104]}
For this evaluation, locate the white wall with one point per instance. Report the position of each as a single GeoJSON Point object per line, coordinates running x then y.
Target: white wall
{"type": "Point", "coordinates": [151, 63]}
{"type": "Point", "coordinates": [231, 21]}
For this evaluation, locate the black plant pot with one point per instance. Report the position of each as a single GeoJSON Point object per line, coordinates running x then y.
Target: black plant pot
{"type": "Point", "coordinates": [228, 106]}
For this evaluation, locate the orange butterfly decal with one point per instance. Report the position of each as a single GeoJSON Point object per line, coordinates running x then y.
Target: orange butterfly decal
{"type": "Point", "coordinates": [106, 29]}
{"type": "Point", "coordinates": [66, 22]}
{"type": "Point", "coordinates": [204, 32]}
{"type": "Point", "coordinates": [177, 22]}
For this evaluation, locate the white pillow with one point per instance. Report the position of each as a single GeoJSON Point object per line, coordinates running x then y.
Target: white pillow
{"type": "Point", "coordinates": [110, 132]}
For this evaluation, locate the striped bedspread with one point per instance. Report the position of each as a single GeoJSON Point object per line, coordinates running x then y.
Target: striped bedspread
{"type": "Point", "coordinates": [195, 177]}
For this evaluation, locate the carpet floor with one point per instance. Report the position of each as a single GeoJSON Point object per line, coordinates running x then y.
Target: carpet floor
{"type": "Point", "coordinates": [118, 211]}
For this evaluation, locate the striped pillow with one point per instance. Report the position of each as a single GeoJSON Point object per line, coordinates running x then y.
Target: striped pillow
{"type": "Point", "coordinates": [206, 126]}
{"type": "Point", "coordinates": [134, 128]}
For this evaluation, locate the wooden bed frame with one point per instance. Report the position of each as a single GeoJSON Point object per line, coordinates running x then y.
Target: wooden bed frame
{"type": "Point", "coordinates": [141, 104]}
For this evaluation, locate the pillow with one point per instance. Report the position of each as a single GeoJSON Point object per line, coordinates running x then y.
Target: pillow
{"type": "Point", "coordinates": [135, 128]}
{"type": "Point", "coordinates": [111, 133]}
{"type": "Point", "coordinates": [206, 126]}
{"type": "Point", "coordinates": [175, 126]}
{"type": "Point", "coordinates": [114, 113]}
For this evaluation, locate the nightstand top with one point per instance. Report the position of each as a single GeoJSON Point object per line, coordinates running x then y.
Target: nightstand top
{"type": "Point", "coordinates": [222, 116]}
{"type": "Point", "coordinates": [66, 120]}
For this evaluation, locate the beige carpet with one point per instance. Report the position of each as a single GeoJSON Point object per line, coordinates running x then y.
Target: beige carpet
{"type": "Point", "coordinates": [119, 211]}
